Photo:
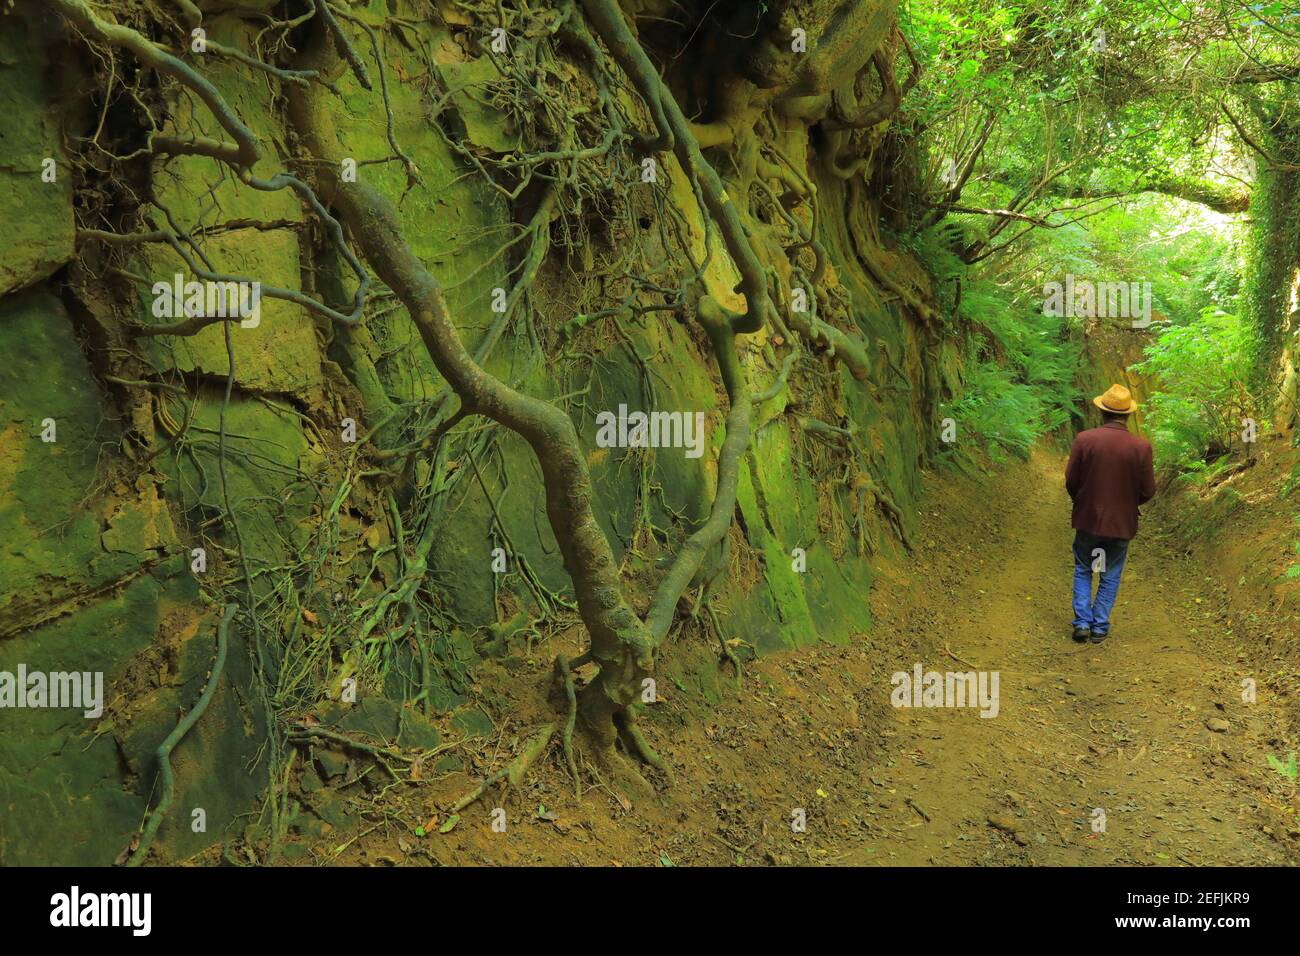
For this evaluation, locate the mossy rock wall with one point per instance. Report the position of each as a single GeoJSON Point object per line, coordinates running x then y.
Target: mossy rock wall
{"type": "Point", "coordinates": [99, 534]}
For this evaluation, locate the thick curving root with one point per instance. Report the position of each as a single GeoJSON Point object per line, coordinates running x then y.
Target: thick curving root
{"type": "Point", "coordinates": [620, 643]}
{"type": "Point", "coordinates": [165, 749]}
{"type": "Point", "coordinates": [513, 773]}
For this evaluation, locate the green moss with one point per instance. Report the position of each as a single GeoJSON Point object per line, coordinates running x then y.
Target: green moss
{"type": "Point", "coordinates": [482, 124]}
{"type": "Point", "coordinates": [64, 531]}
{"type": "Point", "coordinates": [268, 457]}
{"type": "Point", "coordinates": [198, 189]}
{"type": "Point", "coordinates": [1273, 256]}
{"type": "Point", "coordinates": [62, 798]}
{"type": "Point", "coordinates": [70, 523]}
{"type": "Point", "coordinates": [278, 354]}
{"type": "Point", "coordinates": [452, 221]}
{"type": "Point", "coordinates": [473, 722]}
{"type": "Point", "coordinates": [386, 722]}
{"type": "Point", "coordinates": [39, 229]}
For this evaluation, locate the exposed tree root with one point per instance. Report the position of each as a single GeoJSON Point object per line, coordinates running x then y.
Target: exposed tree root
{"type": "Point", "coordinates": [727, 653]}
{"type": "Point", "coordinates": [890, 97]}
{"type": "Point", "coordinates": [564, 672]}
{"type": "Point", "coordinates": [634, 742]}
{"type": "Point", "coordinates": [165, 749]}
{"type": "Point", "coordinates": [622, 645]}
{"type": "Point", "coordinates": [514, 772]}
{"type": "Point", "coordinates": [674, 129]}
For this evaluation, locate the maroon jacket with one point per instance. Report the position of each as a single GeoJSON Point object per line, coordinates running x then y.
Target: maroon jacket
{"type": "Point", "coordinates": [1108, 476]}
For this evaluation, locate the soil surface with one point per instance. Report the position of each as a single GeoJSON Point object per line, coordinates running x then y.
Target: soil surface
{"type": "Point", "coordinates": [1136, 751]}
{"type": "Point", "coordinates": [1148, 728]}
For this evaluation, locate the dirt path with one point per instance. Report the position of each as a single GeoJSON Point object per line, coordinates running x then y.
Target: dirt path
{"type": "Point", "coordinates": [1120, 728]}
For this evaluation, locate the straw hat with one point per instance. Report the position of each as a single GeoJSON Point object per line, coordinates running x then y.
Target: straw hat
{"type": "Point", "coordinates": [1118, 400]}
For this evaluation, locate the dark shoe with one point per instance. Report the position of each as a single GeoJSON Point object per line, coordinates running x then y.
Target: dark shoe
{"type": "Point", "coordinates": [1097, 638]}
{"type": "Point", "coordinates": [1081, 634]}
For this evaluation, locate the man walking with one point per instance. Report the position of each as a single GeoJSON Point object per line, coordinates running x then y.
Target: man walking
{"type": "Point", "coordinates": [1109, 475]}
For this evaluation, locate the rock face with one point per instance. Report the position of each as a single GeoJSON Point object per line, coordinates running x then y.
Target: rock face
{"type": "Point", "coordinates": [284, 479]}
{"type": "Point", "coordinates": [35, 176]}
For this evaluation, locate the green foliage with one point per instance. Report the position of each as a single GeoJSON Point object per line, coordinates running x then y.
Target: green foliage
{"type": "Point", "coordinates": [1273, 249]}
{"type": "Point", "coordinates": [1004, 414]}
{"type": "Point", "coordinates": [1293, 571]}
{"type": "Point", "coordinates": [1051, 138]}
{"type": "Point", "coordinates": [1020, 363]}
{"type": "Point", "coordinates": [1202, 369]}
{"type": "Point", "coordinates": [1288, 770]}
{"type": "Point", "coordinates": [1119, 90]}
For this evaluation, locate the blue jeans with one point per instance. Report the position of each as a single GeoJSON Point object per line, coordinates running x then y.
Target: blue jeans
{"type": "Point", "coordinates": [1106, 556]}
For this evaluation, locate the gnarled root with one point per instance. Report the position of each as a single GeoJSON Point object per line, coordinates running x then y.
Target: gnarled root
{"type": "Point", "coordinates": [165, 749]}
{"type": "Point", "coordinates": [634, 742]}
{"type": "Point", "coordinates": [608, 720]}
{"type": "Point", "coordinates": [601, 705]}
{"type": "Point", "coordinates": [514, 772]}
{"type": "Point", "coordinates": [564, 673]}
{"type": "Point", "coordinates": [727, 654]}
